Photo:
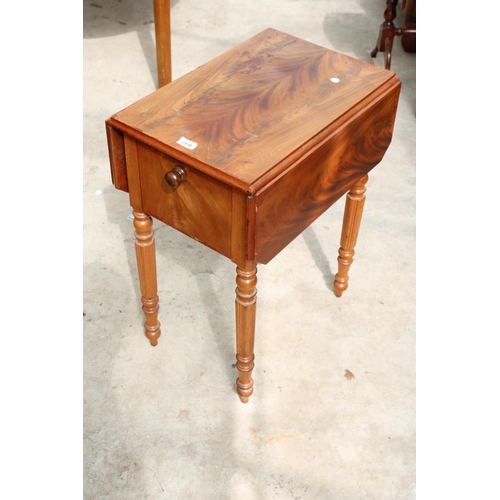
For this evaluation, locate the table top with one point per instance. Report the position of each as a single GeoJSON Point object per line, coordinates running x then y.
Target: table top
{"type": "Point", "coordinates": [245, 115]}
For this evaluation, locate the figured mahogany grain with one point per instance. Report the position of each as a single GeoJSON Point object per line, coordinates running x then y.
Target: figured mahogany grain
{"type": "Point", "coordinates": [289, 204]}
{"type": "Point", "coordinates": [252, 107]}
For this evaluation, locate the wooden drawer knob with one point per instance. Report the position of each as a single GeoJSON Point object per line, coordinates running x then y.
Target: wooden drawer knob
{"type": "Point", "coordinates": [175, 176]}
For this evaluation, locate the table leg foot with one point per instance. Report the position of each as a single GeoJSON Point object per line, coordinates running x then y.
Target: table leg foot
{"type": "Point", "coordinates": [246, 301]}
{"type": "Point", "coordinates": [355, 201]}
{"type": "Point", "coordinates": [146, 265]}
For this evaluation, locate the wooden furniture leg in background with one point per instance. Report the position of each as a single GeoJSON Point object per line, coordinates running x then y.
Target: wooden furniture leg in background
{"type": "Point", "coordinates": [163, 44]}
{"type": "Point", "coordinates": [354, 204]}
{"type": "Point", "coordinates": [408, 39]}
{"type": "Point", "coordinates": [146, 265]}
{"type": "Point", "coordinates": [246, 301]}
{"type": "Point", "coordinates": [387, 33]}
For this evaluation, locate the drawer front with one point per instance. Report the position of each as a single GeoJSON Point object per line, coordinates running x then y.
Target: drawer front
{"type": "Point", "coordinates": [199, 207]}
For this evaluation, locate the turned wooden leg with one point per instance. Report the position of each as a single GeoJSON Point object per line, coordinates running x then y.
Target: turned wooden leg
{"type": "Point", "coordinates": [163, 43]}
{"type": "Point", "coordinates": [246, 301]}
{"type": "Point", "coordinates": [146, 264]}
{"type": "Point", "coordinates": [387, 32]}
{"type": "Point", "coordinates": [354, 204]}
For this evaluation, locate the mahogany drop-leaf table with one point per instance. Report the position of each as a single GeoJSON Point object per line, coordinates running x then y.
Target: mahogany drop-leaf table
{"type": "Point", "coordinates": [244, 153]}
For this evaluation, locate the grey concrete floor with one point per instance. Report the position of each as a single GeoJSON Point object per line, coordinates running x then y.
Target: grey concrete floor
{"type": "Point", "coordinates": [165, 422]}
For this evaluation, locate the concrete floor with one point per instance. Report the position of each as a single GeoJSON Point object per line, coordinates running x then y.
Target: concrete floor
{"type": "Point", "coordinates": [165, 422]}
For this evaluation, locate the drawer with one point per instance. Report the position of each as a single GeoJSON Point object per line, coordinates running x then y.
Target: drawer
{"type": "Point", "coordinates": [199, 207]}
